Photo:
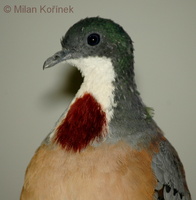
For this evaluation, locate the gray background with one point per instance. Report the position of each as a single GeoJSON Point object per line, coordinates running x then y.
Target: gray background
{"type": "Point", "coordinates": [31, 100]}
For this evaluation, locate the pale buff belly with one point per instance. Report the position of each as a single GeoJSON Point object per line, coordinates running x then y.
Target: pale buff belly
{"type": "Point", "coordinates": [107, 172]}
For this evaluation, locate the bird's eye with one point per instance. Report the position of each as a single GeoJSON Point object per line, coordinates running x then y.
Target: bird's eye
{"type": "Point", "coordinates": [93, 39]}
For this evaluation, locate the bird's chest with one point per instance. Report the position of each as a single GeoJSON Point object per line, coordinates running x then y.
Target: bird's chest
{"type": "Point", "coordinates": [106, 172]}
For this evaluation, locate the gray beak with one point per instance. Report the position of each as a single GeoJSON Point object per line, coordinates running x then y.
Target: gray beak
{"type": "Point", "coordinates": [58, 57]}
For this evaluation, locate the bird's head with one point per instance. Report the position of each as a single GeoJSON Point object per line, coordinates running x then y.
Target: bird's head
{"type": "Point", "coordinates": [95, 38]}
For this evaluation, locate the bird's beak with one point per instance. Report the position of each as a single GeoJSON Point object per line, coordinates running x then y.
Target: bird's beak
{"type": "Point", "coordinates": [58, 57]}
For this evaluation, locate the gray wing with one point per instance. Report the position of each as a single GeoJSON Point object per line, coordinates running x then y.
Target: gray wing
{"type": "Point", "coordinates": [170, 174]}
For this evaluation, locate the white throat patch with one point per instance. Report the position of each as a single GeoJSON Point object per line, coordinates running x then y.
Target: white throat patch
{"type": "Point", "coordinates": [98, 73]}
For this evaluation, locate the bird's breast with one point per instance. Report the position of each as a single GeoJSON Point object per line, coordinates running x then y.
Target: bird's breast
{"type": "Point", "coordinates": [110, 171]}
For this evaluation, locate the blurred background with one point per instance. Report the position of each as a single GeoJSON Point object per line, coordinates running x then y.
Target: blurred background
{"type": "Point", "coordinates": [31, 100]}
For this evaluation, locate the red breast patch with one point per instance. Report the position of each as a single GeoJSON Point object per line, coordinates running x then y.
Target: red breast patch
{"type": "Point", "coordinates": [84, 122]}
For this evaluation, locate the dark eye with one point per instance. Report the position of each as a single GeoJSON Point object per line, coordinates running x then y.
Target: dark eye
{"type": "Point", "coordinates": [93, 39]}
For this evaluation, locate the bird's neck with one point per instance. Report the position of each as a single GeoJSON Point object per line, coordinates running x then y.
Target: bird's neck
{"type": "Point", "coordinates": [105, 103]}
{"type": "Point", "coordinates": [131, 120]}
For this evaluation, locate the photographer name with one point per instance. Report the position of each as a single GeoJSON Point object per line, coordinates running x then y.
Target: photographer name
{"type": "Point", "coordinates": [43, 9]}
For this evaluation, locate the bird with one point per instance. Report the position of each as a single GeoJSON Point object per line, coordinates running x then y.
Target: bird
{"type": "Point", "coordinates": [106, 144]}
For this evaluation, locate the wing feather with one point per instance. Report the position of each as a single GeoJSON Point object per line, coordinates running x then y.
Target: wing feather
{"type": "Point", "coordinates": [168, 169]}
